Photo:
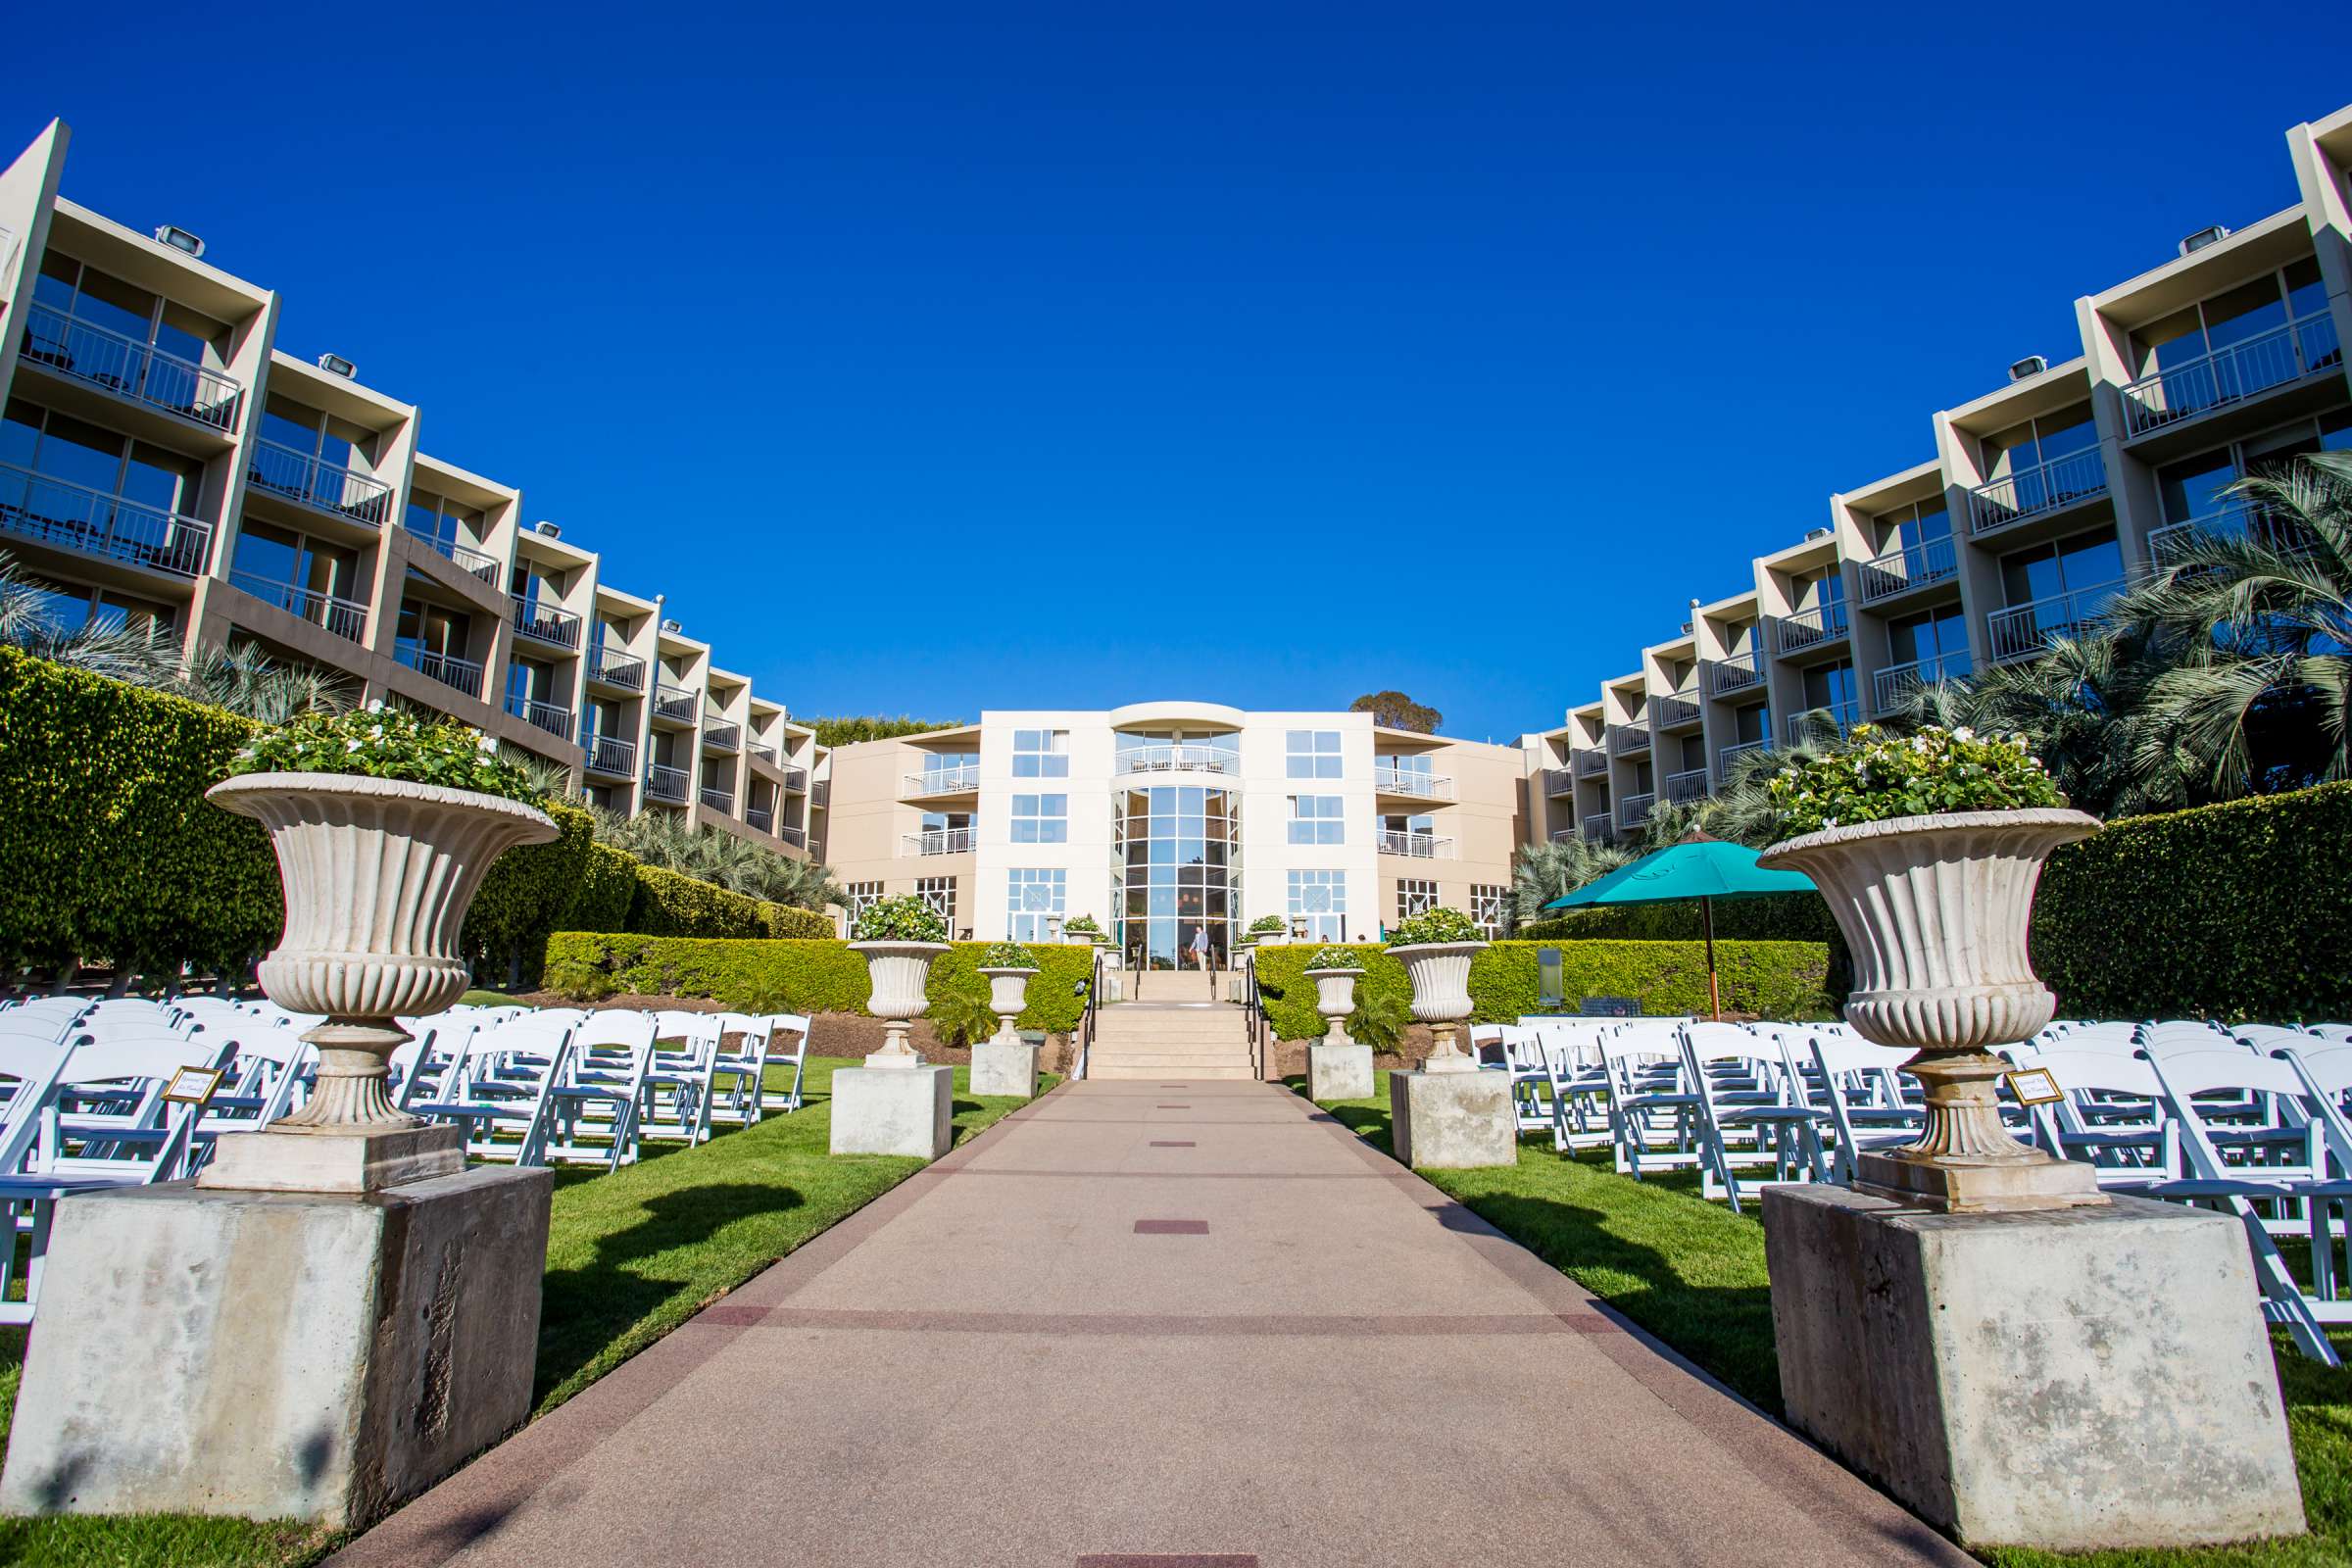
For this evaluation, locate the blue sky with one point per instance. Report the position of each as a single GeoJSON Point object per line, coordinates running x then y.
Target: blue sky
{"type": "Point", "coordinates": [1263, 354]}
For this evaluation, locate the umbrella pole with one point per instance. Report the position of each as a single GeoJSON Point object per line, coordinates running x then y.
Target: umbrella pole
{"type": "Point", "coordinates": [1706, 917]}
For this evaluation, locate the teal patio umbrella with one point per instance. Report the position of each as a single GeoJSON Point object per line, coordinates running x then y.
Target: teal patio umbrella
{"type": "Point", "coordinates": [1696, 867]}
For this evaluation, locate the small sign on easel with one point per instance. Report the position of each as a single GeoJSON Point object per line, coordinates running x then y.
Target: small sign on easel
{"type": "Point", "coordinates": [192, 1086]}
{"type": "Point", "coordinates": [2033, 1086]}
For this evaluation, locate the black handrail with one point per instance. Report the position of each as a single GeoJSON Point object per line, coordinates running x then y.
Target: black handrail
{"type": "Point", "coordinates": [1085, 1021]}
{"type": "Point", "coordinates": [1261, 1026]}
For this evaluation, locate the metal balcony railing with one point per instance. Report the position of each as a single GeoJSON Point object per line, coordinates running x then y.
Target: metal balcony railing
{"type": "Point", "coordinates": [2232, 375]}
{"type": "Point", "coordinates": [795, 781]}
{"type": "Point", "coordinates": [762, 817]}
{"type": "Point", "coordinates": [611, 755]}
{"type": "Point", "coordinates": [940, 841]}
{"type": "Point", "coordinates": [1589, 762]}
{"type": "Point", "coordinates": [1677, 709]}
{"type": "Point", "coordinates": [1729, 757]}
{"type": "Point", "coordinates": [1405, 781]}
{"type": "Point", "coordinates": [136, 371]}
{"type": "Point", "coordinates": [345, 617]}
{"type": "Point", "coordinates": [474, 562]}
{"type": "Point", "coordinates": [796, 838]}
{"type": "Point", "coordinates": [960, 780]}
{"type": "Point", "coordinates": [1804, 629]}
{"type": "Point", "coordinates": [1561, 835]}
{"type": "Point", "coordinates": [1627, 740]}
{"type": "Point", "coordinates": [1689, 785]}
{"type": "Point", "coordinates": [2242, 520]}
{"type": "Point", "coordinates": [53, 512]}
{"type": "Point", "coordinates": [548, 716]}
{"type": "Point", "coordinates": [1931, 560]}
{"type": "Point", "coordinates": [1166, 758]}
{"type": "Point", "coordinates": [1634, 809]}
{"type": "Point", "coordinates": [675, 703]}
{"type": "Point", "coordinates": [1416, 846]}
{"type": "Point", "coordinates": [314, 481]}
{"type": "Point", "coordinates": [718, 798]}
{"type": "Point", "coordinates": [458, 675]}
{"type": "Point", "coordinates": [1889, 687]}
{"type": "Point", "coordinates": [820, 793]}
{"type": "Point", "coordinates": [1822, 722]}
{"type": "Point", "coordinates": [2023, 631]}
{"type": "Point", "coordinates": [1597, 826]}
{"type": "Point", "coordinates": [665, 784]}
{"type": "Point", "coordinates": [719, 736]}
{"type": "Point", "coordinates": [2045, 487]}
{"type": "Point", "coordinates": [1734, 673]}
{"type": "Point", "coordinates": [615, 669]}
{"type": "Point", "coordinates": [1559, 781]}
{"type": "Point", "coordinates": [544, 622]}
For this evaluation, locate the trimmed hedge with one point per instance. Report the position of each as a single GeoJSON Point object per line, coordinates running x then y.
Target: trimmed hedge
{"type": "Point", "coordinates": [608, 885]}
{"type": "Point", "coordinates": [2238, 911]}
{"type": "Point", "coordinates": [793, 975]}
{"type": "Point", "coordinates": [1776, 918]}
{"type": "Point", "coordinates": [1770, 979]}
{"type": "Point", "coordinates": [528, 891]}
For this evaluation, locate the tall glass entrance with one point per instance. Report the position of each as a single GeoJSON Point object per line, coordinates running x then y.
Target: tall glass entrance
{"type": "Point", "coordinates": [1176, 849]}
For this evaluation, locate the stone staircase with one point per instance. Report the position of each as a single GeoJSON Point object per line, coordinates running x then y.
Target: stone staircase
{"type": "Point", "coordinates": [1172, 1031]}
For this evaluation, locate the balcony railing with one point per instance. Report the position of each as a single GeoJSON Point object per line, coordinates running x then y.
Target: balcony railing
{"type": "Point", "coordinates": [1689, 785]}
{"type": "Point", "coordinates": [1559, 781]}
{"type": "Point", "coordinates": [718, 798]}
{"type": "Point", "coordinates": [611, 756]}
{"type": "Point", "coordinates": [762, 817]}
{"type": "Point", "coordinates": [2232, 375]}
{"type": "Point", "coordinates": [1597, 826]}
{"type": "Point", "coordinates": [1734, 673]}
{"type": "Point", "coordinates": [722, 737]}
{"type": "Point", "coordinates": [1634, 809]}
{"type": "Point", "coordinates": [2023, 631]}
{"type": "Point", "coordinates": [795, 781]}
{"type": "Point", "coordinates": [474, 562]}
{"type": "Point", "coordinates": [1803, 628]}
{"type": "Point", "coordinates": [615, 669]}
{"type": "Point", "coordinates": [1820, 721]}
{"type": "Point", "coordinates": [316, 482]}
{"type": "Point", "coordinates": [137, 371]}
{"type": "Point", "coordinates": [959, 780]}
{"type": "Point", "coordinates": [1676, 710]}
{"type": "Point", "coordinates": [665, 784]}
{"type": "Point", "coordinates": [1405, 781]}
{"type": "Point", "coordinates": [1589, 762]}
{"type": "Point", "coordinates": [795, 837]}
{"type": "Point", "coordinates": [1416, 846]}
{"type": "Point", "coordinates": [675, 703]}
{"type": "Point", "coordinates": [2059, 482]}
{"type": "Point", "coordinates": [1889, 687]}
{"type": "Point", "coordinates": [548, 716]}
{"type": "Point", "coordinates": [1627, 740]}
{"type": "Point", "coordinates": [1930, 560]}
{"type": "Point", "coordinates": [544, 622]}
{"type": "Point", "coordinates": [1167, 759]}
{"type": "Point", "coordinates": [458, 675]}
{"type": "Point", "coordinates": [1729, 757]}
{"type": "Point", "coordinates": [940, 841]}
{"type": "Point", "coordinates": [820, 793]}
{"type": "Point", "coordinates": [55, 512]}
{"type": "Point", "coordinates": [1561, 835]}
{"type": "Point", "coordinates": [345, 617]}
{"type": "Point", "coordinates": [2242, 520]}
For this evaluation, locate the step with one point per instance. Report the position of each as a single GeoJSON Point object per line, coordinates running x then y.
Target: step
{"type": "Point", "coordinates": [1157, 1058]}
{"type": "Point", "coordinates": [1130, 1072]}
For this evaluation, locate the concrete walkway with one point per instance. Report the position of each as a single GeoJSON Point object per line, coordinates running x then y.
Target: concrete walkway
{"type": "Point", "coordinates": [1156, 1324]}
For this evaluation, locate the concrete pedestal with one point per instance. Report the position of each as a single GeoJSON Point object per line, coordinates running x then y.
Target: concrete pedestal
{"type": "Point", "coordinates": [1339, 1071]}
{"type": "Point", "coordinates": [287, 1158]}
{"type": "Point", "coordinates": [277, 1354]}
{"type": "Point", "coordinates": [1452, 1120]}
{"type": "Point", "coordinates": [1005, 1067]}
{"type": "Point", "coordinates": [2070, 1379]}
{"type": "Point", "coordinates": [893, 1111]}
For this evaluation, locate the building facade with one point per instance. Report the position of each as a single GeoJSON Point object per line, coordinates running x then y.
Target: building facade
{"type": "Point", "coordinates": [2029, 509]}
{"type": "Point", "coordinates": [160, 460]}
{"type": "Point", "coordinates": [1167, 820]}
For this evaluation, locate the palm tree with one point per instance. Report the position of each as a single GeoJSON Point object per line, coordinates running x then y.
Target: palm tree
{"type": "Point", "coordinates": [1543, 872]}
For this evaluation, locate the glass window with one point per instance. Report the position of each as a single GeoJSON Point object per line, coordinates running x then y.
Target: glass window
{"type": "Point", "coordinates": [1929, 635]}
{"type": "Point", "coordinates": [1319, 906]}
{"type": "Point", "coordinates": [1041, 753]}
{"type": "Point", "coordinates": [939, 892]}
{"type": "Point", "coordinates": [1317, 818]}
{"type": "Point", "coordinates": [1041, 818]}
{"type": "Point", "coordinates": [1415, 897]}
{"type": "Point", "coordinates": [1488, 902]}
{"type": "Point", "coordinates": [1034, 904]}
{"type": "Point", "coordinates": [2086, 561]}
{"type": "Point", "coordinates": [2193, 488]}
{"type": "Point", "coordinates": [1311, 752]}
{"type": "Point", "coordinates": [860, 895]}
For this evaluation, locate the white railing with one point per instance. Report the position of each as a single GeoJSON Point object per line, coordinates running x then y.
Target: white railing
{"type": "Point", "coordinates": [2045, 487]}
{"type": "Point", "coordinates": [1931, 560]}
{"type": "Point", "coordinates": [665, 784]}
{"type": "Point", "coordinates": [1627, 739]}
{"type": "Point", "coordinates": [474, 562]}
{"type": "Point", "coordinates": [1417, 846]}
{"type": "Point", "coordinates": [1634, 809]}
{"type": "Point", "coordinates": [762, 817]}
{"type": "Point", "coordinates": [796, 779]}
{"type": "Point", "coordinates": [1559, 781]}
{"type": "Point", "coordinates": [545, 715]}
{"type": "Point", "coordinates": [1589, 762]}
{"type": "Point", "coordinates": [96, 523]}
{"type": "Point", "coordinates": [1167, 759]}
{"type": "Point", "coordinates": [2023, 631]}
{"type": "Point", "coordinates": [1803, 628]}
{"type": "Point", "coordinates": [615, 669]}
{"type": "Point", "coordinates": [1730, 755]}
{"type": "Point", "coordinates": [1689, 785]}
{"type": "Point", "coordinates": [1597, 826]}
{"type": "Point", "coordinates": [1734, 673]}
{"type": "Point", "coordinates": [1890, 686]}
{"type": "Point", "coordinates": [1561, 835]}
{"type": "Point", "coordinates": [722, 737]}
{"type": "Point", "coordinates": [674, 703]}
{"type": "Point", "coordinates": [459, 674]}
{"type": "Point", "coordinates": [137, 371]}
{"type": "Point", "coordinates": [611, 755]}
{"type": "Point", "coordinates": [940, 841]}
{"type": "Point", "coordinates": [718, 798]}
{"type": "Point", "coordinates": [795, 837]}
{"type": "Point", "coordinates": [545, 622]}
{"type": "Point", "coordinates": [1827, 718]}
{"type": "Point", "coordinates": [2238, 521]}
{"type": "Point", "coordinates": [1674, 710]}
{"type": "Point", "coordinates": [1405, 781]}
{"type": "Point", "coordinates": [960, 780]}
{"type": "Point", "coordinates": [345, 617]}
{"type": "Point", "coordinates": [2232, 375]}
{"type": "Point", "coordinates": [314, 481]}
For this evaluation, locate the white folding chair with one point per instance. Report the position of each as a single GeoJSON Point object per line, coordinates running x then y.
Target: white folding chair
{"type": "Point", "coordinates": [1750, 1111]}
{"type": "Point", "coordinates": [1653, 1116]}
{"type": "Point", "coordinates": [597, 1100]}
{"type": "Point", "coordinates": [794, 1025]}
{"type": "Point", "coordinates": [500, 1088]}
{"type": "Point", "coordinates": [676, 1106]}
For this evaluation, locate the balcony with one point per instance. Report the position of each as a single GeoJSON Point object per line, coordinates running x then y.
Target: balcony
{"type": "Point", "coordinates": [2024, 631]}
{"type": "Point", "coordinates": [1419, 786]}
{"type": "Point", "coordinates": [1890, 687]}
{"type": "Point", "coordinates": [1169, 758]}
{"type": "Point", "coordinates": [1416, 846]}
{"type": "Point", "coordinates": [345, 617]}
{"type": "Point", "coordinates": [557, 721]}
{"type": "Point", "coordinates": [1729, 757]}
{"type": "Point", "coordinates": [1686, 786]}
{"type": "Point", "coordinates": [820, 794]}
{"type": "Point", "coordinates": [1629, 740]}
{"type": "Point", "coordinates": [2047, 487]}
{"type": "Point", "coordinates": [1598, 827]}
{"type": "Point", "coordinates": [1591, 762]}
{"type": "Point", "coordinates": [676, 703]}
{"type": "Point", "coordinates": [1634, 810]}
{"type": "Point", "coordinates": [130, 368]}
{"type": "Point", "coordinates": [611, 755]}
{"type": "Point", "coordinates": [795, 781]}
{"type": "Point", "coordinates": [458, 675]}
{"type": "Point", "coordinates": [1801, 629]}
{"type": "Point", "coordinates": [1734, 673]}
{"type": "Point", "coordinates": [665, 784]}
{"type": "Point", "coordinates": [721, 736]}
{"type": "Point", "coordinates": [2232, 375]}
{"type": "Point", "coordinates": [1559, 781]}
{"type": "Point", "coordinates": [54, 512]}
{"type": "Point", "coordinates": [473, 562]}
{"type": "Point", "coordinates": [796, 838]}
{"type": "Point", "coordinates": [1823, 721]}
{"type": "Point", "coordinates": [1675, 711]}
{"type": "Point", "coordinates": [762, 817]}
{"type": "Point", "coordinates": [1563, 835]}
{"type": "Point", "coordinates": [2242, 520]}
{"type": "Point", "coordinates": [1898, 571]}
{"type": "Point", "coordinates": [961, 779]}
{"type": "Point", "coordinates": [543, 623]}
{"type": "Point", "coordinates": [347, 493]}
{"type": "Point", "coordinates": [719, 798]}
{"type": "Point", "coordinates": [608, 668]}
{"type": "Point", "coordinates": [939, 841]}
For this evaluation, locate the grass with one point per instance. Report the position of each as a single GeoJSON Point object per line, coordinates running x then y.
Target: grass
{"type": "Point", "coordinates": [630, 1255]}
{"type": "Point", "coordinates": [1691, 1272]}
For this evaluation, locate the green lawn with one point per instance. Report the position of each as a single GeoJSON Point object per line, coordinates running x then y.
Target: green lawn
{"type": "Point", "coordinates": [1691, 1272]}
{"type": "Point", "coordinates": [630, 1255]}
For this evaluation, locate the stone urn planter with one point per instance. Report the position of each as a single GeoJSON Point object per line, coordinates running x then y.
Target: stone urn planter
{"type": "Point", "coordinates": [1440, 976]}
{"type": "Point", "coordinates": [1338, 1067]}
{"type": "Point", "coordinates": [898, 970]}
{"type": "Point", "coordinates": [1935, 910]}
{"type": "Point", "coordinates": [1335, 993]}
{"type": "Point", "coordinates": [1008, 995]}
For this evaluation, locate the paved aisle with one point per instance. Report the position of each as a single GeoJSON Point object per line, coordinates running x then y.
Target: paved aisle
{"type": "Point", "coordinates": [1193, 1324]}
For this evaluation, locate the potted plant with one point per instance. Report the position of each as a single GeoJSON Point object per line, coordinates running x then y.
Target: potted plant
{"type": "Point", "coordinates": [1268, 928]}
{"type": "Point", "coordinates": [1083, 929]}
{"type": "Point", "coordinates": [1334, 972]}
{"type": "Point", "coordinates": [384, 824]}
{"type": "Point", "coordinates": [898, 938]}
{"type": "Point", "coordinates": [1008, 966]}
{"type": "Point", "coordinates": [1927, 848]}
{"type": "Point", "coordinates": [1435, 948]}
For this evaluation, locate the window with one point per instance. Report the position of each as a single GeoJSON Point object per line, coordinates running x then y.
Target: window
{"type": "Point", "coordinates": [2045, 439]}
{"type": "Point", "coordinates": [1034, 904]}
{"type": "Point", "coordinates": [1041, 753]}
{"type": "Point", "coordinates": [939, 892]}
{"type": "Point", "coordinates": [1319, 906]}
{"type": "Point", "coordinates": [2086, 561]}
{"type": "Point", "coordinates": [1488, 902]}
{"type": "Point", "coordinates": [432, 629]}
{"type": "Point", "coordinates": [88, 295]}
{"type": "Point", "coordinates": [1041, 819]}
{"type": "Point", "coordinates": [861, 893]}
{"type": "Point", "coordinates": [1316, 818]}
{"type": "Point", "coordinates": [1937, 637]}
{"type": "Point", "coordinates": [58, 446]}
{"type": "Point", "coordinates": [444, 522]}
{"type": "Point", "coordinates": [1311, 752]}
{"type": "Point", "coordinates": [1415, 898]}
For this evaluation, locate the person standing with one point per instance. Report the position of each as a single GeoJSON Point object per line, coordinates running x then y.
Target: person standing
{"type": "Point", "coordinates": [1201, 950]}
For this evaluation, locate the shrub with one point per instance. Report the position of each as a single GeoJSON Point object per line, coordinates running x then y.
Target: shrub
{"type": "Point", "coordinates": [1440, 925]}
{"type": "Point", "coordinates": [528, 892]}
{"type": "Point", "coordinates": [1379, 1020]}
{"type": "Point", "coordinates": [905, 918]}
{"type": "Point", "coordinates": [393, 743]}
{"type": "Point", "coordinates": [1008, 956]}
{"type": "Point", "coordinates": [668, 903]}
{"type": "Point", "coordinates": [1928, 771]}
{"type": "Point", "coordinates": [785, 920]}
{"type": "Point", "coordinates": [607, 886]}
{"type": "Point", "coordinates": [1332, 958]}
{"type": "Point", "coordinates": [1266, 924]}
{"type": "Point", "coordinates": [2240, 912]}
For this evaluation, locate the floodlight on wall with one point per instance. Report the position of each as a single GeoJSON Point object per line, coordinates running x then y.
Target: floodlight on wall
{"type": "Point", "coordinates": [2204, 237]}
{"type": "Point", "coordinates": [1816, 533]}
{"type": "Point", "coordinates": [2030, 366]}
{"type": "Point", "coordinates": [337, 364]}
{"type": "Point", "coordinates": [671, 625]}
{"type": "Point", "coordinates": [547, 529]}
{"type": "Point", "coordinates": [179, 239]}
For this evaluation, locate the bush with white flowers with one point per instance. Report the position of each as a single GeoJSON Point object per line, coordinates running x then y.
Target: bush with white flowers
{"type": "Point", "coordinates": [384, 742]}
{"type": "Point", "coordinates": [1928, 772]}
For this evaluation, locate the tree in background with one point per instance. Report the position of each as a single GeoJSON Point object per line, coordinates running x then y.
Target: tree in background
{"type": "Point", "coordinates": [849, 730]}
{"type": "Point", "coordinates": [1395, 711]}
{"type": "Point", "coordinates": [1554, 869]}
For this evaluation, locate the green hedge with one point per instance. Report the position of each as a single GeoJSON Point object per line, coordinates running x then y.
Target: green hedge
{"type": "Point", "coordinates": [1777, 917]}
{"type": "Point", "coordinates": [608, 885]}
{"type": "Point", "coordinates": [791, 975]}
{"type": "Point", "coordinates": [2238, 911]}
{"type": "Point", "coordinates": [526, 893]}
{"type": "Point", "coordinates": [1770, 979]}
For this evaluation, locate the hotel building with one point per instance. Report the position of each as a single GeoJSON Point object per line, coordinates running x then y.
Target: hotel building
{"type": "Point", "coordinates": [1162, 820]}
{"type": "Point", "coordinates": [2031, 507]}
{"type": "Point", "coordinates": [161, 459]}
